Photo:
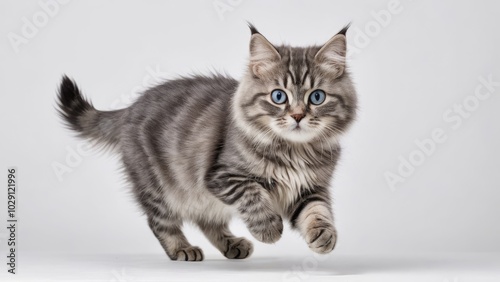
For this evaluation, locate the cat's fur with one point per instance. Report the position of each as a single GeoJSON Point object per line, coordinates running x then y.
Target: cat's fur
{"type": "Point", "coordinates": [201, 149]}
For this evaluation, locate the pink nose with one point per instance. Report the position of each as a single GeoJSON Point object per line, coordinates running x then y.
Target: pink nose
{"type": "Point", "coordinates": [298, 117]}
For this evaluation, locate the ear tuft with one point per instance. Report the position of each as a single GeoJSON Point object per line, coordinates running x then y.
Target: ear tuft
{"type": "Point", "coordinates": [253, 29]}
{"type": "Point", "coordinates": [343, 31]}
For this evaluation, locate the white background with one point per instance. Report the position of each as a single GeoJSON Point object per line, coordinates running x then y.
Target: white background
{"type": "Point", "coordinates": [409, 69]}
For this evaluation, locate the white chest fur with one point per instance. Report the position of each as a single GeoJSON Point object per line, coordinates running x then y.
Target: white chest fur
{"type": "Point", "coordinates": [290, 176]}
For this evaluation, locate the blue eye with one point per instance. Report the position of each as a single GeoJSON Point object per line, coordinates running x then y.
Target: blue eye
{"type": "Point", "coordinates": [317, 97]}
{"type": "Point", "coordinates": [278, 96]}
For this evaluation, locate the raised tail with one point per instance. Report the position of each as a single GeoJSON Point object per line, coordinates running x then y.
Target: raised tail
{"type": "Point", "coordinates": [80, 116]}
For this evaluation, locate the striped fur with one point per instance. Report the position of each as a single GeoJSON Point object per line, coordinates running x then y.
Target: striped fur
{"type": "Point", "coordinates": [204, 148]}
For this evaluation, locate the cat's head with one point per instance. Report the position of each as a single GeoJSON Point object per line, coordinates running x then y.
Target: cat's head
{"type": "Point", "coordinates": [300, 95]}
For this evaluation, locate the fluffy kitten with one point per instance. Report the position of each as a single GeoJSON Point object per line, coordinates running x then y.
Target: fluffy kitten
{"type": "Point", "coordinates": [202, 149]}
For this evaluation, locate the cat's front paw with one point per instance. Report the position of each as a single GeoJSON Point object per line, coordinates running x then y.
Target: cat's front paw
{"type": "Point", "coordinates": [238, 248]}
{"type": "Point", "coordinates": [268, 230]}
{"type": "Point", "coordinates": [322, 238]}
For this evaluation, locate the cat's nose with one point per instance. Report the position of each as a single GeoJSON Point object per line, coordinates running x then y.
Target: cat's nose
{"type": "Point", "coordinates": [298, 117]}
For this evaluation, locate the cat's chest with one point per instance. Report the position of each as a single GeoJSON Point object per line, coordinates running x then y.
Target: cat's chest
{"type": "Point", "coordinates": [290, 182]}
{"type": "Point", "coordinates": [290, 177]}
{"type": "Point", "coordinates": [289, 172]}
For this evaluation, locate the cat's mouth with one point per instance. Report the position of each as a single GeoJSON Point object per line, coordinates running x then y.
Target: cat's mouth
{"type": "Point", "coordinates": [297, 127]}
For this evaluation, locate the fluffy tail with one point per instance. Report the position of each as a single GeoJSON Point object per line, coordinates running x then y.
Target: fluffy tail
{"type": "Point", "coordinates": [80, 116]}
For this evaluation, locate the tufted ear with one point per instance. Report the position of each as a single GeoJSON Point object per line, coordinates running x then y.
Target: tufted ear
{"type": "Point", "coordinates": [331, 57]}
{"type": "Point", "coordinates": [263, 55]}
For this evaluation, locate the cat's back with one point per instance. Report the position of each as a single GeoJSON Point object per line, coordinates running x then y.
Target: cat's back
{"type": "Point", "coordinates": [185, 93]}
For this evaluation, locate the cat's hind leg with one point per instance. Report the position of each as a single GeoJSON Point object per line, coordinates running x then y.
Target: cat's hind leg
{"type": "Point", "coordinates": [169, 233]}
{"type": "Point", "coordinates": [165, 223]}
{"type": "Point", "coordinates": [230, 246]}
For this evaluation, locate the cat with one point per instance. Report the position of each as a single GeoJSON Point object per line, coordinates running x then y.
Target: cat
{"type": "Point", "coordinates": [204, 148]}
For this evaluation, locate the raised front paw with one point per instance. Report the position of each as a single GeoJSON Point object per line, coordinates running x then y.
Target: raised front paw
{"type": "Point", "coordinates": [267, 230]}
{"type": "Point", "coordinates": [321, 238]}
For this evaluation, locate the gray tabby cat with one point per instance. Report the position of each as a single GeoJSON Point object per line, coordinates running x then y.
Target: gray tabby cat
{"type": "Point", "coordinates": [201, 149]}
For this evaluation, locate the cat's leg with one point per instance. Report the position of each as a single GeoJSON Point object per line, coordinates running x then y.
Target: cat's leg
{"type": "Point", "coordinates": [311, 214]}
{"type": "Point", "coordinates": [230, 246]}
{"type": "Point", "coordinates": [251, 200]}
{"type": "Point", "coordinates": [168, 232]}
{"type": "Point", "coordinates": [165, 223]}
{"type": "Point", "coordinates": [164, 220]}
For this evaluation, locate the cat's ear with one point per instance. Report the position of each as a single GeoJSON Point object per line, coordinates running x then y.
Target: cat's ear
{"type": "Point", "coordinates": [331, 57]}
{"type": "Point", "coordinates": [263, 55]}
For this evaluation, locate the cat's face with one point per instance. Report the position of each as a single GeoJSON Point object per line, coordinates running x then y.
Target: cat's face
{"type": "Point", "coordinates": [300, 95]}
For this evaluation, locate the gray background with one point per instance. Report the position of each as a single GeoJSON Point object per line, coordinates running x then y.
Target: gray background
{"type": "Point", "coordinates": [409, 73]}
